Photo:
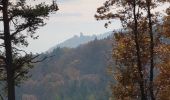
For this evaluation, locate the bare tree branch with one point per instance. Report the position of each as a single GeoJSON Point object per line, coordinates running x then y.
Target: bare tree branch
{"type": "Point", "coordinates": [41, 60]}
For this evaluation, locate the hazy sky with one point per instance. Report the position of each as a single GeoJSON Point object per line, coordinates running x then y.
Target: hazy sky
{"type": "Point", "coordinates": [74, 16]}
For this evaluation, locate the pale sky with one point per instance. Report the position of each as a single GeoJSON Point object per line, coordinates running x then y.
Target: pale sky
{"type": "Point", "coordinates": [74, 16]}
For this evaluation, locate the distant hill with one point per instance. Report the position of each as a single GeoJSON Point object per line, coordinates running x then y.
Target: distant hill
{"type": "Point", "coordinates": [76, 40]}
{"type": "Point", "coordinates": [71, 74]}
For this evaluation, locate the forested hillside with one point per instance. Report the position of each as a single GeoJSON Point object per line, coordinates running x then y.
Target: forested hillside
{"type": "Point", "coordinates": [71, 74]}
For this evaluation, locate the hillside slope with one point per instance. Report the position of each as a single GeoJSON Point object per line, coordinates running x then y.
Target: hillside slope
{"type": "Point", "coordinates": [71, 74]}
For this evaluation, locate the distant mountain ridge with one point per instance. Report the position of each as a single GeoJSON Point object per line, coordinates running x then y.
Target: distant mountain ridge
{"type": "Point", "coordinates": [76, 40]}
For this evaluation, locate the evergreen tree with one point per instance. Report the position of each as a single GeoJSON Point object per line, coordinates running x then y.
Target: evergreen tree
{"type": "Point", "coordinates": [19, 21]}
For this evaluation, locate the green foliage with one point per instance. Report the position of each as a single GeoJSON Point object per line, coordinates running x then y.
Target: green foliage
{"type": "Point", "coordinates": [19, 21]}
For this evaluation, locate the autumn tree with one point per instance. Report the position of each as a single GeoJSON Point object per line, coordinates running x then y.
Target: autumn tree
{"type": "Point", "coordinates": [162, 50]}
{"type": "Point", "coordinates": [151, 4]}
{"type": "Point", "coordinates": [129, 16]}
{"type": "Point", "coordinates": [152, 17]}
{"type": "Point", "coordinates": [126, 70]}
{"type": "Point", "coordinates": [19, 21]}
{"type": "Point", "coordinates": [140, 35]}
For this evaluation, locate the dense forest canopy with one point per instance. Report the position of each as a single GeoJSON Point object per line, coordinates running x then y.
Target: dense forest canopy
{"type": "Point", "coordinates": [71, 74]}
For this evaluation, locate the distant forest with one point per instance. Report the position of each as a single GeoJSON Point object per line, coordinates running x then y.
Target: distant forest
{"type": "Point", "coordinates": [71, 74]}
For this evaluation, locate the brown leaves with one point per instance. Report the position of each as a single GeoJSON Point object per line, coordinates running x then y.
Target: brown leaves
{"type": "Point", "coordinates": [137, 27]}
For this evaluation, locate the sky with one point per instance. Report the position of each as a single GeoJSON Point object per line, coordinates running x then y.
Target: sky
{"type": "Point", "coordinates": [74, 17]}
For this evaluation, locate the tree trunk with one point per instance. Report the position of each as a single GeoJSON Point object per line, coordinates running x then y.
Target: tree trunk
{"type": "Point", "coordinates": [141, 80]}
{"type": "Point", "coordinates": [8, 53]}
{"type": "Point", "coordinates": [11, 85]}
{"type": "Point", "coordinates": [151, 50]}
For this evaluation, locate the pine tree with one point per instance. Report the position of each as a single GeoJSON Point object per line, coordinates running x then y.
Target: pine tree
{"type": "Point", "coordinates": [19, 22]}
